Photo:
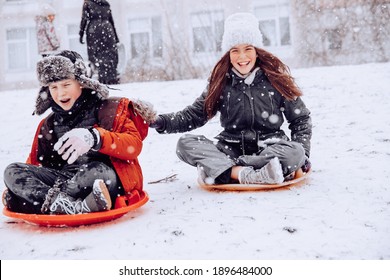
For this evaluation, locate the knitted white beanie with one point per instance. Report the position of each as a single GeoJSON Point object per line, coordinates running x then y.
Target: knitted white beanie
{"type": "Point", "coordinates": [241, 28]}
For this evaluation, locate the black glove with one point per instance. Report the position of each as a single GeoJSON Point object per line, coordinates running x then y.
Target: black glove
{"type": "Point", "coordinates": [306, 166]}
{"type": "Point", "coordinates": [81, 34]}
{"type": "Point", "coordinates": [158, 124]}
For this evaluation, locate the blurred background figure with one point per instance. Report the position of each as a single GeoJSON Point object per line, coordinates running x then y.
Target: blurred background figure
{"type": "Point", "coordinates": [48, 42]}
{"type": "Point", "coordinates": [98, 24]}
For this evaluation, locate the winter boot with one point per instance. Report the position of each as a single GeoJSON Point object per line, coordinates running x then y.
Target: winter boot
{"type": "Point", "coordinates": [99, 199]}
{"type": "Point", "coordinates": [271, 173]}
{"type": "Point", "coordinates": [58, 202]}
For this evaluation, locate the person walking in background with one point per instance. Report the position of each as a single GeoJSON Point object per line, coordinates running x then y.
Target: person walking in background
{"type": "Point", "coordinates": [98, 24]}
{"type": "Point", "coordinates": [253, 92]}
{"type": "Point", "coordinates": [48, 41]}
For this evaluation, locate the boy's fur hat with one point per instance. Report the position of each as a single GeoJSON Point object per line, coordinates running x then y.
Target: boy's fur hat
{"type": "Point", "coordinates": [61, 66]}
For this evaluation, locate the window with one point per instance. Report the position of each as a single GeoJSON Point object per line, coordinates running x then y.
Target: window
{"type": "Point", "coordinates": [22, 50]}
{"type": "Point", "coordinates": [145, 37]}
{"type": "Point", "coordinates": [274, 23]}
{"type": "Point", "coordinates": [334, 39]}
{"type": "Point", "coordinates": [157, 37]}
{"type": "Point", "coordinates": [207, 31]}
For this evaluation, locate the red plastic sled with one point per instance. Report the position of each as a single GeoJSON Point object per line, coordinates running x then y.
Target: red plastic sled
{"type": "Point", "coordinates": [123, 205]}
{"type": "Point", "coordinates": [300, 177]}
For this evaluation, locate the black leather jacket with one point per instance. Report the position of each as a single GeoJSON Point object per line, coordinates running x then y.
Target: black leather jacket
{"type": "Point", "coordinates": [248, 114]}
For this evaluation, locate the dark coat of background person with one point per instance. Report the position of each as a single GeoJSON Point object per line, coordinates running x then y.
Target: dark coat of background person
{"type": "Point", "coordinates": [98, 24]}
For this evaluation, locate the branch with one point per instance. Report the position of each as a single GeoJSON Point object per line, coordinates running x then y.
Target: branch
{"type": "Point", "coordinates": [169, 178]}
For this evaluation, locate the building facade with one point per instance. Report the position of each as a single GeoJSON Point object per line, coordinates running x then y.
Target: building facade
{"type": "Point", "coordinates": [181, 39]}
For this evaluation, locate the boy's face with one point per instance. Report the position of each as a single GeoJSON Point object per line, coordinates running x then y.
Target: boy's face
{"type": "Point", "coordinates": [65, 92]}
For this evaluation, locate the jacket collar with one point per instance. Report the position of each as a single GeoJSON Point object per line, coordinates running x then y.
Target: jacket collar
{"type": "Point", "coordinates": [236, 79]}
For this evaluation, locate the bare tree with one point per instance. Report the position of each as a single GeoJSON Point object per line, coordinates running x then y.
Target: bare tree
{"type": "Point", "coordinates": [380, 11]}
{"type": "Point", "coordinates": [341, 32]}
{"type": "Point", "coordinates": [178, 59]}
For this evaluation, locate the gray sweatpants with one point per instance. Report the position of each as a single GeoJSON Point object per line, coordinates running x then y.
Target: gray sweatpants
{"type": "Point", "coordinates": [216, 160]}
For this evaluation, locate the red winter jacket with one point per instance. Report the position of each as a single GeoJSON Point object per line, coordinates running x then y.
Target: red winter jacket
{"type": "Point", "coordinates": [122, 131]}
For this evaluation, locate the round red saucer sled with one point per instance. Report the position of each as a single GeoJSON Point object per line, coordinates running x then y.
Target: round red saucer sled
{"type": "Point", "coordinates": [300, 178]}
{"type": "Point", "coordinates": [123, 205]}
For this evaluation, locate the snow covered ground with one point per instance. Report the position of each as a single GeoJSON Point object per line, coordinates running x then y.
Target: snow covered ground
{"type": "Point", "coordinates": [343, 211]}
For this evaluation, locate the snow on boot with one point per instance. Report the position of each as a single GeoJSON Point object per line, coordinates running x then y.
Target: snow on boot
{"type": "Point", "coordinates": [271, 173]}
{"type": "Point", "coordinates": [58, 202]}
{"type": "Point", "coordinates": [99, 199]}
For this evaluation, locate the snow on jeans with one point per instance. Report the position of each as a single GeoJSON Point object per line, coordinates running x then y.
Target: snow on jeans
{"type": "Point", "coordinates": [28, 184]}
{"type": "Point", "coordinates": [216, 160]}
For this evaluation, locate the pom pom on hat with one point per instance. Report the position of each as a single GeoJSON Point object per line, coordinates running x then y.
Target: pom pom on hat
{"type": "Point", "coordinates": [241, 28]}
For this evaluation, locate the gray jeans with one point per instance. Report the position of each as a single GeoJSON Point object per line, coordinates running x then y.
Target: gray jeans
{"type": "Point", "coordinates": [217, 159]}
{"type": "Point", "coordinates": [28, 184]}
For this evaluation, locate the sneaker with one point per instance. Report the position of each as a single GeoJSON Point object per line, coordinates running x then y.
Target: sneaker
{"type": "Point", "coordinates": [271, 173]}
{"type": "Point", "coordinates": [58, 202]}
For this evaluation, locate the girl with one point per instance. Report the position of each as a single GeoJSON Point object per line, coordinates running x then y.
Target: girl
{"type": "Point", "coordinates": [252, 90]}
{"type": "Point", "coordinates": [84, 153]}
{"type": "Point", "coordinates": [47, 39]}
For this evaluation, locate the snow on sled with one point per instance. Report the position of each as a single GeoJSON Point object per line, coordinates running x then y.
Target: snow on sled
{"type": "Point", "coordinates": [299, 178]}
{"type": "Point", "coordinates": [123, 205]}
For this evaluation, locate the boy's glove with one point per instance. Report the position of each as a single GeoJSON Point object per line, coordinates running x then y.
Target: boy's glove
{"type": "Point", "coordinates": [76, 142]}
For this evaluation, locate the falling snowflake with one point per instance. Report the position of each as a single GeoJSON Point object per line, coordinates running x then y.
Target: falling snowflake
{"type": "Point", "coordinates": [273, 118]}
{"type": "Point", "coordinates": [130, 149]}
{"type": "Point", "coordinates": [264, 115]}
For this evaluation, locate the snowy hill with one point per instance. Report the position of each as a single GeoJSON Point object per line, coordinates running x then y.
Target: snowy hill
{"type": "Point", "coordinates": [341, 213]}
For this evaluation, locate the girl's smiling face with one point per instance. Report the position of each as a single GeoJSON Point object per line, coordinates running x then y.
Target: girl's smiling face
{"type": "Point", "coordinates": [243, 58]}
{"type": "Point", "coordinates": [65, 93]}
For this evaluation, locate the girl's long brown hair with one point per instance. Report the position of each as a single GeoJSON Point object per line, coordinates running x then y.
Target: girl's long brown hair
{"type": "Point", "coordinates": [276, 71]}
